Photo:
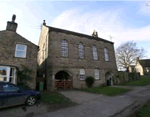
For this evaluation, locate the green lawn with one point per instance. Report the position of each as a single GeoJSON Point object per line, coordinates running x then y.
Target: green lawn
{"type": "Point", "coordinates": [53, 97]}
{"type": "Point", "coordinates": [110, 91]}
{"type": "Point", "coordinates": [145, 80]}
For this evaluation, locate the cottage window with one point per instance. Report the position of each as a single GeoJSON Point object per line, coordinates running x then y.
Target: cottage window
{"type": "Point", "coordinates": [64, 48]}
{"type": "Point", "coordinates": [96, 71]}
{"type": "Point", "coordinates": [82, 74]}
{"type": "Point", "coordinates": [95, 57]}
{"type": "Point", "coordinates": [106, 54]}
{"type": "Point", "coordinates": [81, 50]}
{"type": "Point", "coordinates": [8, 74]}
{"type": "Point", "coordinates": [21, 51]}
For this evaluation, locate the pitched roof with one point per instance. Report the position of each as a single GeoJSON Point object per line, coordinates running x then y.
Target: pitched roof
{"type": "Point", "coordinates": [145, 62]}
{"type": "Point", "coordinates": [15, 34]}
{"type": "Point", "coordinates": [77, 34]}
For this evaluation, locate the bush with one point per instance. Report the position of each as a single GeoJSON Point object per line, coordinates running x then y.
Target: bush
{"type": "Point", "coordinates": [24, 76]}
{"type": "Point", "coordinates": [89, 81]}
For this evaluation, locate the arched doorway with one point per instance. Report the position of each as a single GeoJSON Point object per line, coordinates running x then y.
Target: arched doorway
{"type": "Point", "coordinates": [63, 80]}
{"type": "Point", "coordinates": [109, 78]}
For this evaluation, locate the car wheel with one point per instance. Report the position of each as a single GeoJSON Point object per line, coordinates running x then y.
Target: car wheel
{"type": "Point", "coordinates": [31, 100]}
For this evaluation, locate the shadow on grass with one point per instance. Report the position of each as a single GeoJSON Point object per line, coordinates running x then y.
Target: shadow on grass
{"type": "Point", "coordinates": [55, 100]}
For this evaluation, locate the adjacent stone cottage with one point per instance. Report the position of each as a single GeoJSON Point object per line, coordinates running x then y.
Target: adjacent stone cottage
{"type": "Point", "coordinates": [143, 66]}
{"type": "Point", "coordinates": [65, 58]}
{"type": "Point", "coordinates": [16, 51]}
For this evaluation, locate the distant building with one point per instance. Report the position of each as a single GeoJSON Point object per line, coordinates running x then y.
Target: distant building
{"type": "Point", "coordinates": [15, 51]}
{"type": "Point", "coordinates": [131, 68]}
{"type": "Point", "coordinates": [66, 58]}
{"type": "Point", "coordinates": [143, 66]}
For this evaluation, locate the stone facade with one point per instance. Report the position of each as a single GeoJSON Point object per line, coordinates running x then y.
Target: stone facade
{"type": "Point", "coordinates": [54, 62]}
{"type": "Point", "coordinates": [8, 41]}
{"type": "Point", "coordinates": [143, 66]}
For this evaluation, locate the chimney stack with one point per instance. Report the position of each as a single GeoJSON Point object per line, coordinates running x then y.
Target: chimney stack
{"type": "Point", "coordinates": [12, 26]}
{"type": "Point", "coordinates": [44, 22]}
{"type": "Point", "coordinates": [137, 59]}
{"type": "Point", "coordinates": [95, 34]}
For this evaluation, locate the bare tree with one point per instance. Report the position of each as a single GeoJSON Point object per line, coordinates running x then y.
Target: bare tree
{"type": "Point", "coordinates": [127, 53]}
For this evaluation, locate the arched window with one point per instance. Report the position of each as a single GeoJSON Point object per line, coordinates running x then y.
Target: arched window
{"type": "Point", "coordinates": [96, 71]}
{"type": "Point", "coordinates": [64, 48]}
{"type": "Point", "coordinates": [81, 50]}
{"type": "Point", "coordinates": [95, 57]}
{"type": "Point", "coordinates": [106, 54]}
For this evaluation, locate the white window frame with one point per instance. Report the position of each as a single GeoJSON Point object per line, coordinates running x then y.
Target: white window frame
{"type": "Point", "coordinates": [96, 73]}
{"type": "Point", "coordinates": [82, 74]}
{"type": "Point", "coordinates": [8, 74]}
{"type": "Point", "coordinates": [81, 50]}
{"type": "Point", "coordinates": [95, 56]}
{"type": "Point", "coordinates": [106, 54]}
{"type": "Point", "coordinates": [64, 48]}
{"type": "Point", "coordinates": [21, 50]}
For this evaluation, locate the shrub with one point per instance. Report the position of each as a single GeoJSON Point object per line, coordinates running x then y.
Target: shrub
{"type": "Point", "coordinates": [89, 81]}
{"type": "Point", "coordinates": [24, 76]}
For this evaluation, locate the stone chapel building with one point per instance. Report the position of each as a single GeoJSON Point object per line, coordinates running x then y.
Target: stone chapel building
{"type": "Point", "coordinates": [66, 58]}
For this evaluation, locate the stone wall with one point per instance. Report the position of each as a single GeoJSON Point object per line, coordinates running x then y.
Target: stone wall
{"type": "Point", "coordinates": [8, 41]}
{"type": "Point", "coordinates": [56, 63]}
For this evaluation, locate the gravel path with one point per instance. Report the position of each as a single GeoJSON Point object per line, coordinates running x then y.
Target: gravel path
{"type": "Point", "coordinates": [104, 106]}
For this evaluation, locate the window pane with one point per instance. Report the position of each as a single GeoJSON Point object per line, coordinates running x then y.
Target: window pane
{"type": "Point", "coordinates": [82, 72]}
{"type": "Point", "coordinates": [20, 54]}
{"type": "Point", "coordinates": [95, 57]}
{"type": "Point", "coordinates": [81, 51]}
{"type": "Point", "coordinates": [64, 48]}
{"type": "Point", "coordinates": [82, 77]}
{"type": "Point", "coordinates": [96, 74]}
{"type": "Point", "coordinates": [21, 47]}
{"type": "Point", "coordinates": [3, 70]}
{"type": "Point", "coordinates": [106, 54]}
{"type": "Point", "coordinates": [3, 78]}
{"type": "Point", "coordinates": [11, 79]}
{"type": "Point", "coordinates": [10, 88]}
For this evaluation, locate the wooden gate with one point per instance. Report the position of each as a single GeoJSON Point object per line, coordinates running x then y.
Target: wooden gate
{"type": "Point", "coordinates": [63, 84]}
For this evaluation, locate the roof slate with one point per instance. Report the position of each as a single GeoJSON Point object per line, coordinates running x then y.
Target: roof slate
{"type": "Point", "coordinates": [145, 62]}
{"type": "Point", "coordinates": [77, 34]}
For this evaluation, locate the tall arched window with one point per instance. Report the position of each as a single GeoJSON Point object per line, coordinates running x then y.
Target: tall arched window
{"type": "Point", "coordinates": [95, 57]}
{"type": "Point", "coordinates": [81, 50]}
{"type": "Point", "coordinates": [106, 54]}
{"type": "Point", "coordinates": [64, 48]}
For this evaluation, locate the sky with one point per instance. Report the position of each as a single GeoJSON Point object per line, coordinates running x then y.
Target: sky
{"type": "Point", "coordinates": [123, 20]}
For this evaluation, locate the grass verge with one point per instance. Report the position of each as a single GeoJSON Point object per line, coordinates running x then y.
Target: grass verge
{"type": "Point", "coordinates": [145, 110]}
{"type": "Point", "coordinates": [109, 91]}
{"type": "Point", "coordinates": [145, 80]}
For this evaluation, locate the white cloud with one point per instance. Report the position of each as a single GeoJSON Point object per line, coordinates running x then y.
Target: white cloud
{"type": "Point", "coordinates": [144, 8]}
{"type": "Point", "coordinates": [104, 22]}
